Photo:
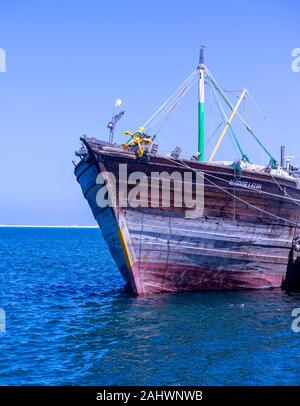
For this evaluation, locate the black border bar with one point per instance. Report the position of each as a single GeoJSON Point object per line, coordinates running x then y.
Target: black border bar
{"type": "Point", "coordinates": [127, 394]}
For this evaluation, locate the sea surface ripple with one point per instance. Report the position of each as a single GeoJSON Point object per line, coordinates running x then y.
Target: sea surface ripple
{"type": "Point", "coordinates": [70, 322]}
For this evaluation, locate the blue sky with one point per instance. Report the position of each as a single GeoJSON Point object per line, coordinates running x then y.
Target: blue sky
{"type": "Point", "coordinates": [68, 61]}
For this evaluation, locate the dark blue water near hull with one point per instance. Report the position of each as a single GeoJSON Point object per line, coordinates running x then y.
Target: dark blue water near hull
{"type": "Point", "coordinates": [70, 323]}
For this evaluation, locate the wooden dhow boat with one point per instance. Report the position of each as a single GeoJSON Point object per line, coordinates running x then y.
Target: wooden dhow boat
{"type": "Point", "coordinates": [176, 224]}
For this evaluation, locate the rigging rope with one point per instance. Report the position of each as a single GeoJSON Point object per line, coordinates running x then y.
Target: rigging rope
{"type": "Point", "coordinates": [260, 191]}
{"type": "Point", "coordinates": [170, 108]}
{"type": "Point", "coordinates": [256, 105]}
{"type": "Point", "coordinates": [169, 105]}
{"type": "Point", "coordinates": [284, 191]}
{"type": "Point", "coordinates": [225, 119]}
{"type": "Point", "coordinates": [170, 100]}
{"type": "Point", "coordinates": [214, 134]}
{"type": "Point", "coordinates": [232, 195]}
{"type": "Point", "coordinates": [273, 161]}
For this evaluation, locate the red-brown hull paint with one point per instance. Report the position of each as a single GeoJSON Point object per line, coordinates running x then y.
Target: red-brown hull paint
{"type": "Point", "coordinates": [186, 278]}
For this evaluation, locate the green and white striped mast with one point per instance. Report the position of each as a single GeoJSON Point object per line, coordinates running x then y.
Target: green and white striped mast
{"type": "Point", "coordinates": [201, 139]}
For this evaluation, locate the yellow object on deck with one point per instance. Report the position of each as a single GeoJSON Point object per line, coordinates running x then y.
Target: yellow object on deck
{"type": "Point", "coordinates": [138, 139]}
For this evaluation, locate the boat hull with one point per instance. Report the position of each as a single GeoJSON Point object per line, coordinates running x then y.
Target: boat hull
{"type": "Point", "coordinates": [231, 246]}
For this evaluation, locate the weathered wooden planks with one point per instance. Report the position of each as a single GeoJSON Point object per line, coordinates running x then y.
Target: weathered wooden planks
{"type": "Point", "coordinates": [232, 246]}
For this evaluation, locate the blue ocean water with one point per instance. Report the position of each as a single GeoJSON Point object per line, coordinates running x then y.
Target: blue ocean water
{"type": "Point", "coordinates": [69, 322]}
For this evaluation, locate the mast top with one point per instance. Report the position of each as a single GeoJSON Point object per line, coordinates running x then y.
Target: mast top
{"type": "Point", "coordinates": [201, 57]}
